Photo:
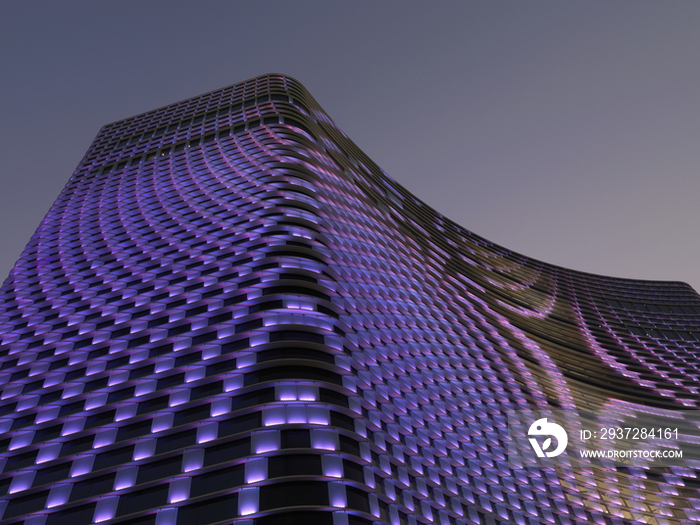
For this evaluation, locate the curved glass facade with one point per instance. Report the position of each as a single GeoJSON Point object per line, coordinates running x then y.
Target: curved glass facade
{"type": "Point", "coordinates": [232, 315]}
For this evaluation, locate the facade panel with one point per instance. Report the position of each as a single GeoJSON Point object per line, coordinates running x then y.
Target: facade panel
{"type": "Point", "coordinates": [232, 315]}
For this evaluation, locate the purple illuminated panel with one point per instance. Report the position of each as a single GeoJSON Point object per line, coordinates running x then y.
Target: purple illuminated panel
{"type": "Point", "coordinates": [337, 496]}
{"type": "Point", "coordinates": [179, 490]}
{"type": "Point", "coordinates": [207, 432]}
{"type": "Point", "coordinates": [144, 449]}
{"type": "Point", "coordinates": [265, 442]}
{"type": "Point", "coordinates": [332, 466]}
{"type": "Point", "coordinates": [256, 470]}
{"type": "Point", "coordinates": [126, 478]}
{"type": "Point", "coordinates": [21, 482]}
{"type": "Point", "coordinates": [106, 509]}
{"type": "Point", "coordinates": [192, 460]}
{"type": "Point", "coordinates": [58, 496]}
{"type": "Point", "coordinates": [248, 501]}
{"type": "Point", "coordinates": [82, 465]}
{"type": "Point", "coordinates": [324, 439]}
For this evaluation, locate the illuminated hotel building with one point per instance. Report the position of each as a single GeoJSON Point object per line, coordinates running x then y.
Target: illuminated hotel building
{"type": "Point", "coordinates": [232, 315]}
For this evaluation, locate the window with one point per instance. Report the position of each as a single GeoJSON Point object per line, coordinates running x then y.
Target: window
{"type": "Point", "coordinates": [142, 500]}
{"type": "Point", "coordinates": [21, 461]}
{"type": "Point", "coordinates": [25, 505]}
{"type": "Point", "coordinates": [293, 494]}
{"type": "Point", "coordinates": [294, 465]}
{"type": "Point", "coordinates": [52, 474]}
{"type": "Point", "coordinates": [209, 511]}
{"type": "Point", "coordinates": [176, 441]}
{"type": "Point", "coordinates": [77, 446]}
{"type": "Point", "coordinates": [191, 415]}
{"type": "Point", "coordinates": [159, 470]}
{"type": "Point", "coordinates": [227, 452]}
{"type": "Point", "coordinates": [92, 487]}
{"type": "Point", "coordinates": [217, 480]}
{"type": "Point", "coordinates": [134, 430]}
{"type": "Point", "coordinates": [114, 457]}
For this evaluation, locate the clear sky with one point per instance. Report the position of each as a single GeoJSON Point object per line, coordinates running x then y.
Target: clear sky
{"type": "Point", "coordinates": [568, 131]}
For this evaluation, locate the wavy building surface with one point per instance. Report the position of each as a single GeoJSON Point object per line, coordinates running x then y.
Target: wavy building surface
{"type": "Point", "coordinates": [232, 315]}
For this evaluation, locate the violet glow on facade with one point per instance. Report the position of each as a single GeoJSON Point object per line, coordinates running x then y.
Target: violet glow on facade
{"type": "Point", "coordinates": [232, 315]}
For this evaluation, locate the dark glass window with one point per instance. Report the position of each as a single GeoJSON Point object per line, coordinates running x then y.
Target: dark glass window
{"type": "Point", "coordinates": [250, 325]}
{"type": "Point", "coordinates": [226, 452]}
{"type": "Point", "coordinates": [296, 438]}
{"type": "Point", "coordinates": [21, 461]}
{"type": "Point", "coordinates": [141, 372]}
{"type": "Point", "coordinates": [196, 311]}
{"type": "Point", "coordinates": [235, 300]}
{"type": "Point", "coordinates": [353, 471]}
{"type": "Point", "coordinates": [296, 290]}
{"type": "Point", "coordinates": [295, 353]}
{"type": "Point", "coordinates": [235, 346]}
{"type": "Point", "coordinates": [120, 395]}
{"type": "Point", "coordinates": [133, 343]}
{"type": "Point", "coordinates": [342, 421]}
{"type": "Point", "coordinates": [192, 357]}
{"type": "Point", "coordinates": [26, 504]}
{"type": "Point", "coordinates": [205, 338]}
{"type": "Point", "coordinates": [71, 408]}
{"type": "Point", "coordinates": [179, 330]}
{"type": "Point", "coordinates": [114, 457]}
{"type": "Point", "coordinates": [159, 470]}
{"type": "Point", "coordinates": [152, 405]}
{"type": "Point", "coordinates": [134, 430]}
{"type": "Point", "coordinates": [239, 424]}
{"type": "Point", "coordinates": [10, 407]}
{"type": "Point", "coordinates": [176, 441]}
{"type": "Point", "coordinates": [191, 415]}
{"type": "Point", "coordinates": [103, 418]}
{"type": "Point", "coordinates": [170, 381]}
{"type": "Point", "coordinates": [92, 487]}
{"type": "Point", "coordinates": [331, 396]}
{"type": "Point", "coordinates": [23, 421]}
{"type": "Point", "coordinates": [142, 500]}
{"type": "Point", "coordinates": [78, 516]}
{"type": "Point", "coordinates": [19, 375]}
{"type": "Point", "coordinates": [292, 372]}
{"type": "Point", "coordinates": [215, 481]}
{"type": "Point", "coordinates": [357, 499]}
{"type": "Point", "coordinates": [290, 335]}
{"type": "Point", "coordinates": [293, 494]}
{"type": "Point", "coordinates": [158, 322]}
{"type": "Point", "coordinates": [221, 318]}
{"type": "Point", "coordinates": [221, 367]}
{"type": "Point", "coordinates": [349, 445]}
{"type": "Point", "coordinates": [161, 350]}
{"type": "Point", "coordinates": [96, 384]}
{"type": "Point", "coordinates": [77, 446]}
{"type": "Point", "coordinates": [116, 363]}
{"type": "Point", "coordinates": [294, 518]}
{"type": "Point", "coordinates": [52, 474]}
{"type": "Point", "coordinates": [209, 511]}
{"type": "Point", "coordinates": [4, 485]}
{"type": "Point", "coordinates": [269, 305]}
{"type": "Point", "coordinates": [98, 353]}
{"type": "Point", "coordinates": [59, 363]}
{"type": "Point", "coordinates": [46, 434]}
{"type": "Point", "coordinates": [294, 465]}
{"type": "Point", "coordinates": [207, 390]}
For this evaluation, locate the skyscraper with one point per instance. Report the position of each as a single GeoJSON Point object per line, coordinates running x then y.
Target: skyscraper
{"type": "Point", "coordinates": [232, 315]}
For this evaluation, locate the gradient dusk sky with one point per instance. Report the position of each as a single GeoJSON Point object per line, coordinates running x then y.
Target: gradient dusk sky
{"type": "Point", "coordinates": [566, 131]}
